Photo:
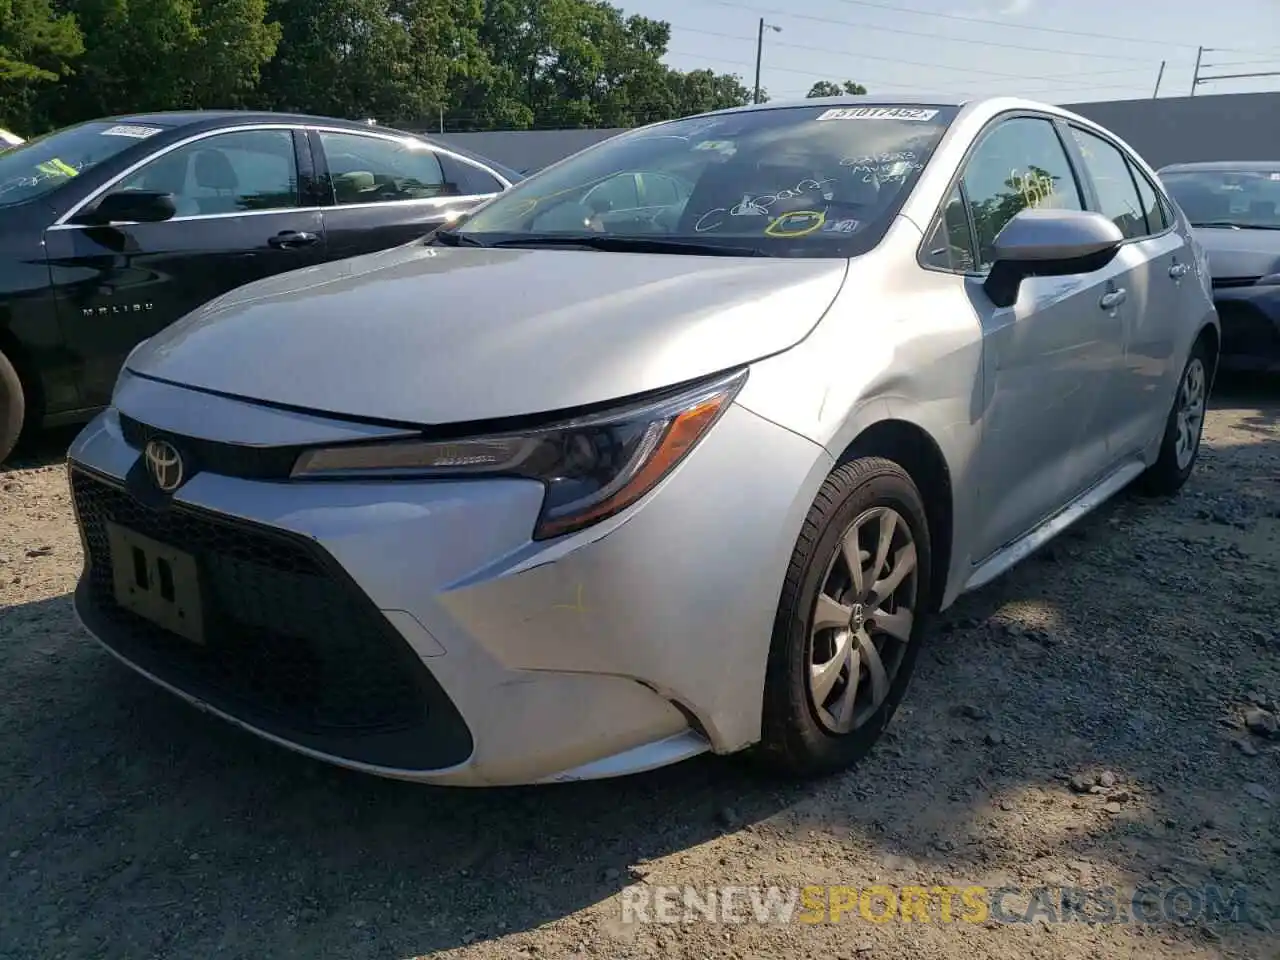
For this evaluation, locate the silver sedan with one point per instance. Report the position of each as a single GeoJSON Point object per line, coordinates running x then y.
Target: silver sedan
{"type": "Point", "coordinates": [675, 447]}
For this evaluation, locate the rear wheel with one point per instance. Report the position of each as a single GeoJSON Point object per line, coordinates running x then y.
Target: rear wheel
{"type": "Point", "coordinates": [850, 620]}
{"type": "Point", "coordinates": [13, 408]}
{"type": "Point", "coordinates": [1181, 444]}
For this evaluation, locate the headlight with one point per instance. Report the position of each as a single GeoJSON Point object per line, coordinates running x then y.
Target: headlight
{"type": "Point", "coordinates": [1270, 280]}
{"type": "Point", "coordinates": [593, 467]}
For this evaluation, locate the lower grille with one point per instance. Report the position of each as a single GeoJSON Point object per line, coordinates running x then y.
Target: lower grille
{"type": "Point", "coordinates": [292, 646]}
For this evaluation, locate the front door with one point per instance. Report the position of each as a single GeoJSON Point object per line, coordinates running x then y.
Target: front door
{"type": "Point", "coordinates": [1050, 358]}
{"type": "Point", "coordinates": [239, 218]}
{"type": "Point", "coordinates": [386, 190]}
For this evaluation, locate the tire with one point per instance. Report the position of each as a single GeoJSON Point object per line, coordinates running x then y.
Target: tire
{"type": "Point", "coordinates": [800, 737]}
{"type": "Point", "coordinates": [1166, 476]}
{"type": "Point", "coordinates": [13, 408]}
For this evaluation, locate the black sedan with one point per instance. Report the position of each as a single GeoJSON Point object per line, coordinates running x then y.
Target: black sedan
{"type": "Point", "coordinates": [1234, 208]}
{"type": "Point", "coordinates": [113, 229]}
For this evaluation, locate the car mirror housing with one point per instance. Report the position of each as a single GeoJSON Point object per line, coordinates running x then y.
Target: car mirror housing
{"type": "Point", "coordinates": [1049, 243]}
{"type": "Point", "coordinates": [132, 206]}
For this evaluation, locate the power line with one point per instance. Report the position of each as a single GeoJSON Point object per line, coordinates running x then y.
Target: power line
{"type": "Point", "coordinates": [803, 73]}
{"type": "Point", "coordinates": [890, 84]}
{"type": "Point", "coordinates": [915, 33]}
{"type": "Point", "coordinates": [986, 22]}
{"type": "Point", "coordinates": [913, 63]}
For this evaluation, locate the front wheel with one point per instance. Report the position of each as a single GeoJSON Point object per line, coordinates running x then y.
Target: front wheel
{"type": "Point", "coordinates": [1180, 446]}
{"type": "Point", "coordinates": [12, 407]}
{"type": "Point", "coordinates": [849, 622]}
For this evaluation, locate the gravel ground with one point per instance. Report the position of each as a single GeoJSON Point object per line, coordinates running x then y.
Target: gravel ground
{"type": "Point", "coordinates": [1082, 722]}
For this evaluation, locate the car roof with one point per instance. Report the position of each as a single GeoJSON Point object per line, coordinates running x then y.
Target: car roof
{"type": "Point", "coordinates": [177, 119]}
{"type": "Point", "coordinates": [854, 100]}
{"type": "Point", "coordinates": [204, 119]}
{"type": "Point", "coordinates": [1243, 166]}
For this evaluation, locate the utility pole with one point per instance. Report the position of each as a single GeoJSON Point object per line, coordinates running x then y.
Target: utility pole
{"type": "Point", "coordinates": [1159, 77]}
{"type": "Point", "coordinates": [1195, 77]}
{"type": "Point", "coordinates": [759, 53]}
{"type": "Point", "coordinates": [442, 114]}
{"type": "Point", "coordinates": [1200, 78]}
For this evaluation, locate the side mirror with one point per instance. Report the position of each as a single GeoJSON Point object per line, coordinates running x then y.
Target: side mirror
{"type": "Point", "coordinates": [1049, 243]}
{"type": "Point", "coordinates": [132, 206]}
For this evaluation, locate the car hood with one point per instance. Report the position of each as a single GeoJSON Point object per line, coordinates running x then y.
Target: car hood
{"type": "Point", "coordinates": [429, 335]}
{"type": "Point", "coordinates": [1240, 253]}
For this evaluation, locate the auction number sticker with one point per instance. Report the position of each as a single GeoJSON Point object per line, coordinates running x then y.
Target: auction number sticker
{"type": "Point", "coordinates": [125, 130]}
{"type": "Point", "coordinates": [878, 113]}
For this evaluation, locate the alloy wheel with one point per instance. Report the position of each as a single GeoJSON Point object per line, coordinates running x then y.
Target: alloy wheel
{"type": "Point", "coordinates": [862, 620]}
{"type": "Point", "coordinates": [1189, 412]}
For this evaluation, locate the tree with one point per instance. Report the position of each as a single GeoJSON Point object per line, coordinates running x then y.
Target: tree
{"type": "Point", "coordinates": [825, 88]}
{"type": "Point", "coordinates": [701, 90]}
{"type": "Point", "coordinates": [38, 46]}
{"type": "Point", "coordinates": [144, 55]}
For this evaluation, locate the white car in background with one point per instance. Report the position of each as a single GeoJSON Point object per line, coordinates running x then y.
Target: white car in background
{"type": "Point", "coordinates": [9, 140]}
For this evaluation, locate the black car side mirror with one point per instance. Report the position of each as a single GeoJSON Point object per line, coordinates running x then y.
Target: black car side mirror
{"type": "Point", "coordinates": [1049, 243]}
{"type": "Point", "coordinates": [132, 206]}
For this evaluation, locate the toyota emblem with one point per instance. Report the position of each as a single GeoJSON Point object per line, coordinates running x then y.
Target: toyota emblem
{"type": "Point", "coordinates": [164, 463]}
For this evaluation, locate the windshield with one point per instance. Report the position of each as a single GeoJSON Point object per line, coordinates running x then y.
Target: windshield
{"type": "Point", "coordinates": [42, 165]}
{"type": "Point", "coordinates": [806, 181]}
{"type": "Point", "coordinates": [1228, 198]}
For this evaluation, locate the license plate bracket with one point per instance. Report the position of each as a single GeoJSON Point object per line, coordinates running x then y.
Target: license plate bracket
{"type": "Point", "coordinates": [157, 582]}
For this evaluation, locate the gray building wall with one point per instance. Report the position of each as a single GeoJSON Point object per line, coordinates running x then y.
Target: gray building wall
{"type": "Point", "coordinates": [1238, 126]}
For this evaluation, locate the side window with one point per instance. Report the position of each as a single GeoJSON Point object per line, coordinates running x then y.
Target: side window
{"type": "Point", "coordinates": [226, 173]}
{"type": "Point", "coordinates": [950, 244]}
{"type": "Point", "coordinates": [1018, 165]}
{"type": "Point", "coordinates": [1117, 195]}
{"type": "Point", "coordinates": [616, 193]}
{"type": "Point", "coordinates": [377, 170]}
{"type": "Point", "coordinates": [660, 191]}
{"type": "Point", "coordinates": [1151, 205]}
{"type": "Point", "coordinates": [471, 180]}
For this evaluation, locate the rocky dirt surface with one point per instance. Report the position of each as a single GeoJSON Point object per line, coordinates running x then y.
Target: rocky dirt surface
{"type": "Point", "coordinates": [1102, 716]}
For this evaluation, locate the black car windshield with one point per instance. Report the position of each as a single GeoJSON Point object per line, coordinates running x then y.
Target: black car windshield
{"type": "Point", "coordinates": [40, 166]}
{"type": "Point", "coordinates": [1227, 198]}
{"type": "Point", "coordinates": [807, 181]}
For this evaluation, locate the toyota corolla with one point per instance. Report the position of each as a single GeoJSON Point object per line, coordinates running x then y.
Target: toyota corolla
{"type": "Point", "coordinates": [672, 448]}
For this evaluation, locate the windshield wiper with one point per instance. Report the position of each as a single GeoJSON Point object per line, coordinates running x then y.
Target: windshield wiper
{"type": "Point", "coordinates": [634, 245]}
{"type": "Point", "coordinates": [449, 238]}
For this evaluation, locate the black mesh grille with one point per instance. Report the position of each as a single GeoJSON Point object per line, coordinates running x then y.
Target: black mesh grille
{"type": "Point", "coordinates": [291, 644]}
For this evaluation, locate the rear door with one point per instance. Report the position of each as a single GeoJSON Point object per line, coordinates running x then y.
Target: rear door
{"type": "Point", "coordinates": [1157, 259]}
{"type": "Point", "coordinates": [241, 215]}
{"type": "Point", "coordinates": [381, 190]}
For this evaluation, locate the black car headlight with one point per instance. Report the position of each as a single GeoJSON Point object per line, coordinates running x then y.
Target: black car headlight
{"type": "Point", "coordinates": [592, 466]}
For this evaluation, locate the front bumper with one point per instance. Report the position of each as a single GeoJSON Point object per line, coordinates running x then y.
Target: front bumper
{"type": "Point", "coordinates": [1250, 318]}
{"type": "Point", "coordinates": [414, 630]}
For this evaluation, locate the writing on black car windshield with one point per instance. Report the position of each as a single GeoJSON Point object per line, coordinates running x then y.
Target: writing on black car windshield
{"type": "Point", "coordinates": [803, 178]}
{"type": "Point", "coordinates": [1245, 199]}
{"type": "Point", "coordinates": [42, 165]}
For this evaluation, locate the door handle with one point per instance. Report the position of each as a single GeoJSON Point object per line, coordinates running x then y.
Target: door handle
{"type": "Point", "coordinates": [1179, 270]}
{"type": "Point", "coordinates": [288, 239]}
{"type": "Point", "coordinates": [1113, 299]}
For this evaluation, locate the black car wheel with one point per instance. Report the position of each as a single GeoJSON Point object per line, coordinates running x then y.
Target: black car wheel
{"type": "Point", "coordinates": [13, 407]}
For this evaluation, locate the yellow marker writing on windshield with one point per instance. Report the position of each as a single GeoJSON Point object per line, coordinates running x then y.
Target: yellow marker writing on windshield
{"type": "Point", "coordinates": [56, 167]}
{"type": "Point", "coordinates": [799, 223]}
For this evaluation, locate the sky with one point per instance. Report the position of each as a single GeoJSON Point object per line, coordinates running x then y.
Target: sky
{"type": "Point", "coordinates": [1058, 51]}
